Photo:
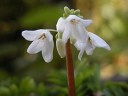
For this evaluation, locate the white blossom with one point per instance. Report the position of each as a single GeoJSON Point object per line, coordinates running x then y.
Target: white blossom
{"type": "Point", "coordinates": [74, 27]}
{"type": "Point", "coordinates": [42, 40]}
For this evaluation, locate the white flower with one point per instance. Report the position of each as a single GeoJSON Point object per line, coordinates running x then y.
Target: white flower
{"type": "Point", "coordinates": [74, 27]}
{"type": "Point", "coordinates": [42, 41]}
{"type": "Point", "coordinates": [93, 42]}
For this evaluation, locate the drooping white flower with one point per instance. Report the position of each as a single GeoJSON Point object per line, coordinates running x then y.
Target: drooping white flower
{"type": "Point", "coordinates": [93, 42]}
{"type": "Point", "coordinates": [42, 41]}
{"type": "Point", "coordinates": [73, 27]}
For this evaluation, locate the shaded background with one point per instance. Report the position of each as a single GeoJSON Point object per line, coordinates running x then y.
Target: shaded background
{"type": "Point", "coordinates": [110, 21]}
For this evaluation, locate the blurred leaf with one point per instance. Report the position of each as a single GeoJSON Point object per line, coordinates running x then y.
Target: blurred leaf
{"type": "Point", "coordinates": [59, 91]}
{"type": "Point", "coordinates": [41, 90]}
{"type": "Point", "coordinates": [14, 90]}
{"type": "Point", "coordinates": [4, 91]}
{"type": "Point", "coordinates": [116, 89]}
{"type": "Point", "coordinates": [27, 85]}
{"type": "Point", "coordinates": [42, 15]}
{"type": "Point", "coordinates": [58, 77]}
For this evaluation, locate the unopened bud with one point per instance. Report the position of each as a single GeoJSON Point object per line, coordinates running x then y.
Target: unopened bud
{"type": "Point", "coordinates": [66, 10]}
{"type": "Point", "coordinates": [77, 12]}
{"type": "Point", "coordinates": [60, 45]}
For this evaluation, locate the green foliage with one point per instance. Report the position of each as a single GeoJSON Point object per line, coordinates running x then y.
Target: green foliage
{"type": "Point", "coordinates": [116, 89]}
{"type": "Point", "coordinates": [42, 90]}
{"type": "Point", "coordinates": [87, 83]}
{"type": "Point", "coordinates": [87, 78]}
{"type": "Point", "coordinates": [4, 91]}
{"type": "Point", "coordinates": [27, 85]}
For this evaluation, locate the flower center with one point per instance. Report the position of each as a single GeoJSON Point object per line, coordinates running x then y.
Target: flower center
{"type": "Point", "coordinates": [89, 40]}
{"type": "Point", "coordinates": [74, 21]}
{"type": "Point", "coordinates": [42, 36]}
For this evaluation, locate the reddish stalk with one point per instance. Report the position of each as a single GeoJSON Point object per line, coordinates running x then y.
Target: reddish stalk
{"type": "Point", "coordinates": [70, 70]}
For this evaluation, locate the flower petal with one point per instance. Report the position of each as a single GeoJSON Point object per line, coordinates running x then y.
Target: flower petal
{"type": "Point", "coordinates": [83, 35]}
{"type": "Point", "coordinates": [80, 46]}
{"type": "Point", "coordinates": [87, 22]}
{"type": "Point", "coordinates": [60, 26]}
{"type": "Point", "coordinates": [31, 35]}
{"type": "Point", "coordinates": [60, 45]}
{"type": "Point", "coordinates": [80, 34]}
{"type": "Point", "coordinates": [35, 47]}
{"type": "Point", "coordinates": [47, 51]}
{"type": "Point", "coordinates": [98, 42]}
{"type": "Point", "coordinates": [77, 28]}
{"type": "Point", "coordinates": [66, 35]}
{"type": "Point", "coordinates": [80, 54]}
{"type": "Point", "coordinates": [89, 48]}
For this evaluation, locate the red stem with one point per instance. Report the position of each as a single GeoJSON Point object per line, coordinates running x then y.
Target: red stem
{"type": "Point", "coordinates": [70, 70]}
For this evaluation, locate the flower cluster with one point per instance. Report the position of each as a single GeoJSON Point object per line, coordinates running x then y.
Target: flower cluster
{"type": "Point", "coordinates": [71, 26]}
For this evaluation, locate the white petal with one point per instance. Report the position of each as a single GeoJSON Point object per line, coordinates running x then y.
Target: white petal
{"type": "Point", "coordinates": [31, 35]}
{"type": "Point", "coordinates": [82, 32]}
{"type": "Point", "coordinates": [35, 47]}
{"type": "Point", "coordinates": [71, 17]}
{"type": "Point", "coordinates": [77, 45]}
{"type": "Point", "coordinates": [60, 25]}
{"type": "Point", "coordinates": [77, 29]}
{"type": "Point", "coordinates": [87, 22]}
{"type": "Point", "coordinates": [47, 51]}
{"type": "Point", "coordinates": [60, 45]}
{"type": "Point", "coordinates": [66, 35]}
{"type": "Point", "coordinates": [80, 54]}
{"type": "Point", "coordinates": [98, 42]}
{"type": "Point", "coordinates": [80, 46]}
{"type": "Point", "coordinates": [89, 48]}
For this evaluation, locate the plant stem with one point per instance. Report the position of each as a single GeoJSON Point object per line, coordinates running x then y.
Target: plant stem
{"type": "Point", "coordinates": [70, 70]}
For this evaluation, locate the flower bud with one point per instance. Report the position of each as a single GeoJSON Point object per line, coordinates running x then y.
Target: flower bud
{"type": "Point", "coordinates": [77, 12]}
{"type": "Point", "coordinates": [60, 45]}
{"type": "Point", "coordinates": [67, 10]}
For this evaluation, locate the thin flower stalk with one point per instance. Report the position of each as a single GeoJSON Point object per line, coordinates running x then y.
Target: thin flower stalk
{"type": "Point", "coordinates": [70, 70]}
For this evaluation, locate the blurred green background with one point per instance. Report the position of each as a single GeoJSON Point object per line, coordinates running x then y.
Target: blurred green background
{"type": "Point", "coordinates": [110, 21]}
